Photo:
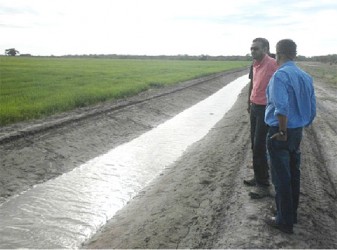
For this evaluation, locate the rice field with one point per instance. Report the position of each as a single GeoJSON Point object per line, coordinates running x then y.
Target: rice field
{"type": "Point", "coordinates": [36, 87]}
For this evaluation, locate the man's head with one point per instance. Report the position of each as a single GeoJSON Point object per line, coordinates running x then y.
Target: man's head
{"type": "Point", "coordinates": [259, 48]}
{"type": "Point", "coordinates": [286, 50]}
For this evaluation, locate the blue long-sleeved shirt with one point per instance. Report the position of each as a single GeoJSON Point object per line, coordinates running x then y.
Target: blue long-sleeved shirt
{"type": "Point", "coordinates": [290, 92]}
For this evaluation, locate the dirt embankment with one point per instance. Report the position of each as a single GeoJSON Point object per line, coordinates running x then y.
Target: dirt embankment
{"type": "Point", "coordinates": [200, 200]}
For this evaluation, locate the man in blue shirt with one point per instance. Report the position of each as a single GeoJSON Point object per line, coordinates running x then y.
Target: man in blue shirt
{"type": "Point", "coordinates": [291, 105]}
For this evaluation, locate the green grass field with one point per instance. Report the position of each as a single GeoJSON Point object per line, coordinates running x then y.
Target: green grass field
{"type": "Point", "coordinates": [324, 71]}
{"type": "Point", "coordinates": [35, 87]}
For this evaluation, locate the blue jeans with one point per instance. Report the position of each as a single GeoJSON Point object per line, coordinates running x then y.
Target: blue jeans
{"type": "Point", "coordinates": [258, 133]}
{"type": "Point", "coordinates": [285, 158]}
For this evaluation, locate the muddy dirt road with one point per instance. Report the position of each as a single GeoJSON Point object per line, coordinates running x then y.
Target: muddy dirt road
{"type": "Point", "coordinates": [200, 200]}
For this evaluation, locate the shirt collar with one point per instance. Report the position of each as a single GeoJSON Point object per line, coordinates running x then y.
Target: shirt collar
{"type": "Point", "coordinates": [258, 63]}
{"type": "Point", "coordinates": [290, 62]}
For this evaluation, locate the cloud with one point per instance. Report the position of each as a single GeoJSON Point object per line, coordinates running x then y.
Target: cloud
{"type": "Point", "coordinates": [214, 27]}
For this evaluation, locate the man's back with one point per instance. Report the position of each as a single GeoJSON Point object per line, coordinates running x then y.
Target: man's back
{"type": "Point", "coordinates": [293, 92]}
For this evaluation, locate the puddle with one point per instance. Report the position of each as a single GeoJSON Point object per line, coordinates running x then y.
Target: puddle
{"type": "Point", "coordinates": [65, 211]}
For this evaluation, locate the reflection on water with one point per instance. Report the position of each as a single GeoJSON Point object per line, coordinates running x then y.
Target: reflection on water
{"type": "Point", "coordinates": [63, 212]}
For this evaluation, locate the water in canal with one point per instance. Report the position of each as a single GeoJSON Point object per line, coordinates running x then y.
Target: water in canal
{"type": "Point", "coordinates": [65, 211]}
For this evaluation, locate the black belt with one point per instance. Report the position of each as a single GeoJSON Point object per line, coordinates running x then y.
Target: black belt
{"type": "Point", "coordinates": [258, 105]}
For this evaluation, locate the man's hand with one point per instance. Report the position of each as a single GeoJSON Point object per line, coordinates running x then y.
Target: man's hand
{"type": "Point", "coordinates": [278, 136]}
{"type": "Point", "coordinates": [282, 134]}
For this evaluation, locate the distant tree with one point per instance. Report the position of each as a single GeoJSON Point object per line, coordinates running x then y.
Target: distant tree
{"type": "Point", "coordinates": [11, 52]}
{"type": "Point", "coordinates": [301, 58]}
{"type": "Point", "coordinates": [326, 59]}
{"type": "Point", "coordinates": [203, 57]}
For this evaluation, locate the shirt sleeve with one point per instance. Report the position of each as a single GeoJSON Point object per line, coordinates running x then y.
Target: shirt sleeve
{"type": "Point", "coordinates": [279, 95]}
{"type": "Point", "coordinates": [313, 106]}
{"type": "Point", "coordinates": [250, 76]}
{"type": "Point", "coordinates": [275, 66]}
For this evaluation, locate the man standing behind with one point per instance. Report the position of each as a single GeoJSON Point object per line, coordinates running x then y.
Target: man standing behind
{"type": "Point", "coordinates": [263, 68]}
{"type": "Point", "coordinates": [291, 106]}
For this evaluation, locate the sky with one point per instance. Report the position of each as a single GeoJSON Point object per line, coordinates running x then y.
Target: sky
{"type": "Point", "coordinates": [165, 27]}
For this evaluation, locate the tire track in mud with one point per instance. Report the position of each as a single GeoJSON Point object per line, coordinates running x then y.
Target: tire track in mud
{"type": "Point", "coordinates": [317, 213]}
{"type": "Point", "coordinates": [326, 130]}
{"type": "Point", "coordinates": [319, 170]}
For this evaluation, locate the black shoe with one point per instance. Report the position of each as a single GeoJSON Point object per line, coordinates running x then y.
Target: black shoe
{"type": "Point", "coordinates": [271, 221]}
{"type": "Point", "coordinates": [272, 209]}
{"type": "Point", "coordinates": [260, 193]}
{"type": "Point", "coordinates": [250, 182]}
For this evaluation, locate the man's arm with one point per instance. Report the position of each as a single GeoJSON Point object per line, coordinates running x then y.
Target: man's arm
{"type": "Point", "coordinates": [250, 76]}
{"type": "Point", "coordinates": [249, 93]}
{"type": "Point", "coordinates": [282, 134]}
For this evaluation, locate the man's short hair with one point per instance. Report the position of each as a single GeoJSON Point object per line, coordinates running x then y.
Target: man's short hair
{"type": "Point", "coordinates": [263, 41]}
{"type": "Point", "coordinates": [287, 47]}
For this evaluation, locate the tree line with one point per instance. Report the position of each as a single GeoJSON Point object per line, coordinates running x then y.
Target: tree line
{"type": "Point", "coordinates": [332, 58]}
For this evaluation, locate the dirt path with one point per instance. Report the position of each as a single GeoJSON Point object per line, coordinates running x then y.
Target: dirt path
{"type": "Point", "coordinates": [198, 202]}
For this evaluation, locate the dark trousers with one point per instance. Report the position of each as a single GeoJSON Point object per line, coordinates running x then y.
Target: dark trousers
{"type": "Point", "coordinates": [285, 158]}
{"type": "Point", "coordinates": [258, 133]}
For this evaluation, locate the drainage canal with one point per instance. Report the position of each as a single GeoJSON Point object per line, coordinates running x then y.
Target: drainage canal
{"type": "Point", "coordinates": [65, 211]}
